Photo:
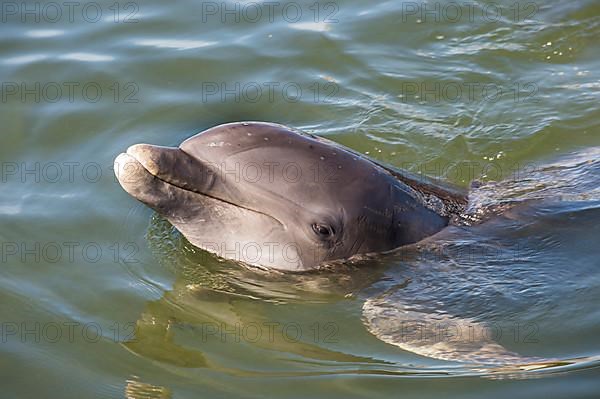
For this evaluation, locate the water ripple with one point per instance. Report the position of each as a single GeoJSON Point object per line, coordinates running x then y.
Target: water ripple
{"type": "Point", "coordinates": [176, 44]}
{"type": "Point", "coordinates": [41, 33]}
{"type": "Point", "coordinates": [87, 57]}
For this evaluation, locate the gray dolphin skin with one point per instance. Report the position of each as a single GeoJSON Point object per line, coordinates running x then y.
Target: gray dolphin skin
{"type": "Point", "coordinates": [269, 196]}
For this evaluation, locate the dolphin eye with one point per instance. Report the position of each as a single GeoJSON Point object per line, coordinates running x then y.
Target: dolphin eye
{"type": "Point", "coordinates": [323, 230]}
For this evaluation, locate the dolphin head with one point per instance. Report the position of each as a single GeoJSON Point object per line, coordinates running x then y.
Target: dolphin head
{"type": "Point", "coordinates": [266, 195]}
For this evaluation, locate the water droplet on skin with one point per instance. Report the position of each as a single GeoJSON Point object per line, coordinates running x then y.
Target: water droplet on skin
{"type": "Point", "coordinates": [322, 158]}
{"type": "Point", "coordinates": [249, 134]}
{"type": "Point", "coordinates": [339, 166]}
{"type": "Point", "coordinates": [266, 139]}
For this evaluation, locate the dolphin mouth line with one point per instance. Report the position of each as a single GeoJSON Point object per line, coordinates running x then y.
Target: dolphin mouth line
{"type": "Point", "coordinates": [141, 164]}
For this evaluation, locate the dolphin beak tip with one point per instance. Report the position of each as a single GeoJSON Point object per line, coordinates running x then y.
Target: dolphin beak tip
{"type": "Point", "coordinates": [146, 155]}
{"type": "Point", "coordinates": [125, 167]}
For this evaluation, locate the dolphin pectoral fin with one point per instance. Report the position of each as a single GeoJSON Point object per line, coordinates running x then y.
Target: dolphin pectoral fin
{"type": "Point", "coordinates": [441, 336]}
{"type": "Point", "coordinates": [278, 340]}
{"type": "Point", "coordinates": [136, 389]}
{"type": "Point", "coordinates": [154, 340]}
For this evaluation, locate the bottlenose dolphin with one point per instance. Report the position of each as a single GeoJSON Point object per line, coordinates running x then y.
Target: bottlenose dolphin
{"type": "Point", "coordinates": [270, 196]}
{"type": "Point", "coordinates": [266, 195]}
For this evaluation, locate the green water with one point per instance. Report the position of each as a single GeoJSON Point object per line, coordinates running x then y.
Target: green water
{"type": "Point", "coordinates": [101, 298]}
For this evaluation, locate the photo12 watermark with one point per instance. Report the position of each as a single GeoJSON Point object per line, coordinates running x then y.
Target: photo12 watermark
{"type": "Point", "coordinates": [268, 91]}
{"type": "Point", "coordinates": [270, 12]}
{"type": "Point", "coordinates": [213, 332]}
{"type": "Point", "coordinates": [492, 167]}
{"type": "Point", "coordinates": [263, 172]}
{"type": "Point", "coordinates": [467, 92]}
{"type": "Point", "coordinates": [35, 172]}
{"type": "Point", "coordinates": [465, 11]}
{"type": "Point", "coordinates": [69, 92]}
{"type": "Point", "coordinates": [67, 252]}
{"type": "Point", "coordinates": [35, 332]}
{"type": "Point", "coordinates": [266, 331]}
{"type": "Point", "coordinates": [69, 12]}
{"type": "Point", "coordinates": [463, 331]}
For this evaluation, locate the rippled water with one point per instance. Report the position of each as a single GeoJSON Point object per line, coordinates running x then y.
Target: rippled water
{"type": "Point", "coordinates": [102, 298]}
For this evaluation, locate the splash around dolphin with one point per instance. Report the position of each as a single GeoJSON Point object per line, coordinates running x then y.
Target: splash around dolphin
{"type": "Point", "coordinates": [273, 197]}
